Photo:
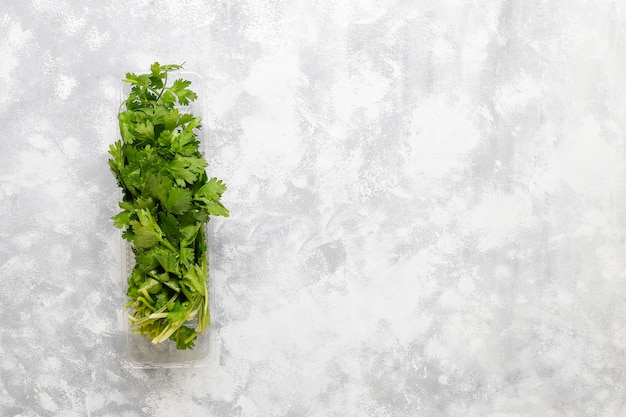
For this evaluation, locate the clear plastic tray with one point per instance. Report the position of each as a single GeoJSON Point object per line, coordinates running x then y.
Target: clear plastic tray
{"type": "Point", "coordinates": [139, 351]}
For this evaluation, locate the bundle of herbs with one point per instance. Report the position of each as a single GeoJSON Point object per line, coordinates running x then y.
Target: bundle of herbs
{"type": "Point", "coordinates": [167, 198]}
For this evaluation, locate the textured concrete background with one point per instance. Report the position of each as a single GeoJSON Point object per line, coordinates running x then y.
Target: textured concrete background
{"type": "Point", "coordinates": [428, 207]}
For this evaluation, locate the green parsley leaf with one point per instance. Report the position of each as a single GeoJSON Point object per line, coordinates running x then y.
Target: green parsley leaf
{"type": "Point", "coordinates": [212, 190]}
{"type": "Point", "coordinates": [184, 94]}
{"type": "Point", "coordinates": [178, 200]}
{"type": "Point", "coordinates": [184, 338]}
{"type": "Point", "coordinates": [122, 219]}
{"type": "Point", "coordinates": [168, 261]}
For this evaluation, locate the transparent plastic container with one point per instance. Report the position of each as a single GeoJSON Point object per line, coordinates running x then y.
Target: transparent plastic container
{"type": "Point", "coordinates": [139, 351]}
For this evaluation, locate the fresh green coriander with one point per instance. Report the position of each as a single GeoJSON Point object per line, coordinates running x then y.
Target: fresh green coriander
{"type": "Point", "coordinates": [166, 200]}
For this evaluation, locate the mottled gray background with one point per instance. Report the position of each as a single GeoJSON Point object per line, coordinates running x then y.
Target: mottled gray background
{"type": "Point", "coordinates": [428, 207]}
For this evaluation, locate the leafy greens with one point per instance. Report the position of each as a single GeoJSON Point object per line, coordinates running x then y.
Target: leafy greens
{"type": "Point", "coordinates": [167, 198]}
